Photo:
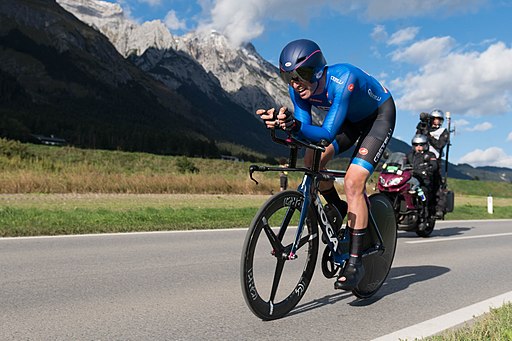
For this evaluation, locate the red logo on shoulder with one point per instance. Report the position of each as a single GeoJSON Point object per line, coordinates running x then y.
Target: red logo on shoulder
{"type": "Point", "coordinates": [350, 87]}
{"type": "Point", "coordinates": [363, 151]}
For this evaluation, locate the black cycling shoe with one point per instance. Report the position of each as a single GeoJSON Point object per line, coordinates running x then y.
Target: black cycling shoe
{"type": "Point", "coordinates": [353, 272]}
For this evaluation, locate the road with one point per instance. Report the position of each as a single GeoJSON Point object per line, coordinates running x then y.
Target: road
{"type": "Point", "coordinates": [186, 286]}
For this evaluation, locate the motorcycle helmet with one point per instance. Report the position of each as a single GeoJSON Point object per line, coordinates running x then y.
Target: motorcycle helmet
{"type": "Point", "coordinates": [420, 140]}
{"type": "Point", "coordinates": [302, 60]}
{"type": "Point", "coordinates": [436, 113]}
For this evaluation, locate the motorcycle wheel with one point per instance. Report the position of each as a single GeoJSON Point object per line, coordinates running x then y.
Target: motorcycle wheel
{"type": "Point", "coordinates": [431, 222]}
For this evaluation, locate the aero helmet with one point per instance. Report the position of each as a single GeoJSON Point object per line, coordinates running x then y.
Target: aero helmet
{"type": "Point", "coordinates": [303, 60]}
{"type": "Point", "coordinates": [420, 140]}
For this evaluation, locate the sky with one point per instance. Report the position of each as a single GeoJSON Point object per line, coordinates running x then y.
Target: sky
{"type": "Point", "coordinates": [452, 55]}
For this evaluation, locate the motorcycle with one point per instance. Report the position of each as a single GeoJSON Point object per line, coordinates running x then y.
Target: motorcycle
{"type": "Point", "coordinates": [405, 193]}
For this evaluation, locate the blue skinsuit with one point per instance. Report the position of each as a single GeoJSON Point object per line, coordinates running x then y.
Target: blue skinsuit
{"type": "Point", "coordinates": [349, 94]}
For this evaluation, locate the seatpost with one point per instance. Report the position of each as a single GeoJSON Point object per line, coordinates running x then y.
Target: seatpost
{"type": "Point", "coordinates": [316, 160]}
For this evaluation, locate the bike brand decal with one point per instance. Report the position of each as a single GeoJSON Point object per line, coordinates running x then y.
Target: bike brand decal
{"type": "Point", "coordinates": [300, 289]}
{"type": "Point", "coordinates": [250, 283]}
{"type": "Point", "coordinates": [294, 202]}
{"type": "Point", "coordinates": [374, 96]}
{"type": "Point", "coordinates": [325, 222]}
{"type": "Point", "coordinates": [350, 87]}
{"type": "Point", "coordinates": [363, 151]}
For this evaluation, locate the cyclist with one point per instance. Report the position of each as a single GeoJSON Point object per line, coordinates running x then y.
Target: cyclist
{"type": "Point", "coordinates": [359, 109]}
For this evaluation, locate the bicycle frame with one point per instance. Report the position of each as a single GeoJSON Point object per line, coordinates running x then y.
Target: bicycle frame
{"type": "Point", "coordinates": [309, 190]}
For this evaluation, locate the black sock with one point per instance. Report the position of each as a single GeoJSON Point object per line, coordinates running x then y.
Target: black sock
{"type": "Point", "coordinates": [356, 243]}
{"type": "Point", "coordinates": [332, 197]}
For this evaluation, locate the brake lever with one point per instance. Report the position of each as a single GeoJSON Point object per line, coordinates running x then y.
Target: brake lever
{"type": "Point", "coordinates": [252, 169]}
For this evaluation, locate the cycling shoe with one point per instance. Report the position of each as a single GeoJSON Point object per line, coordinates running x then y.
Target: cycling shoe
{"type": "Point", "coordinates": [353, 273]}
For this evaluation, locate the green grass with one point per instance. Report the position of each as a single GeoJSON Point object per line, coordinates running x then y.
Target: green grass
{"type": "Point", "coordinates": [54, 214]}
{"type": "Point", "coordinates": [495, 325]}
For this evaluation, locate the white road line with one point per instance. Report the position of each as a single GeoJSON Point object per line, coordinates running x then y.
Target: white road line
{"type": "Point", "coordinates": [440, 323]}
{"type": "Point", "coordinates": [447, 239]}
{"type": "Point", "coordinates": [122, 234]}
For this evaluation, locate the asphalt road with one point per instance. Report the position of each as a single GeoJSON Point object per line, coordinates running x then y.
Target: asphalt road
{"type": "Point", "coordinates": [186, 286]}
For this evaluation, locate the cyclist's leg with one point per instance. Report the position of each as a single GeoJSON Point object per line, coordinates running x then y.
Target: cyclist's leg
{"type": "Point", "coordinates": [355, 181]}
{"type": "Point", "coordinates": [376, 134]}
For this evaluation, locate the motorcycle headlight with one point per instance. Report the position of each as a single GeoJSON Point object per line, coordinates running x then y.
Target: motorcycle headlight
{"type": "Point", "coordinates": [395, 181]}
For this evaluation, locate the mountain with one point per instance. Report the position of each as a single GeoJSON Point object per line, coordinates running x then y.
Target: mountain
{"type": "Point", "coordinates": [249, 79]}
{"type": "Point", "coordinates": [486, 173]}
{"type": "Point", "coordinates": [60, 76]}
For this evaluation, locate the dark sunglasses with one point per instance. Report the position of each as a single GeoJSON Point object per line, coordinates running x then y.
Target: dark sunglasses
{"type": "Point", "coordinates": [301, 74]}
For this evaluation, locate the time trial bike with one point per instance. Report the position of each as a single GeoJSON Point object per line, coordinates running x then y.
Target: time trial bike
{"type": "Point", "coordinates": [281, 246]}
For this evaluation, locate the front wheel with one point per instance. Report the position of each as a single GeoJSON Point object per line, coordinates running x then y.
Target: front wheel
{"type": "Point", "coordinates": [378, 264]}
{"type": "Point", "coordinates": [272, 284]}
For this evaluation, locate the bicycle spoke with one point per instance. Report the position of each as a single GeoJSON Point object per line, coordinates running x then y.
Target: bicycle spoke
{"type": "Point", "coordinates": [272, 238]}
{"type": "Point", "coordinates": [277, 278]}
{"type": "Point", "coordinates": [303, 241]}
{"type": "Point", "coordinates": [286, 222]}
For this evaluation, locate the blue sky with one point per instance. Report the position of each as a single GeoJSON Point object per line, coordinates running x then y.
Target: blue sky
{"type": "Point", "coordinates": [455, 55]}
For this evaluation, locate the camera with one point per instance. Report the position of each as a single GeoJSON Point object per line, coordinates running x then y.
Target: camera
{"type": "Point", "coordinates": [424, 125]}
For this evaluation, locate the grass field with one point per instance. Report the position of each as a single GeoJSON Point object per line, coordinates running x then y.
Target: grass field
{"type": "Point", "coordinates": [74, 213]}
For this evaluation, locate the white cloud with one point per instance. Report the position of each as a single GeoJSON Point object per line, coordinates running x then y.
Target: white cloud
{"type": "Point", "coordinates": [509, 137]}
{"type": "Point", "coordinates": [242, 21]}
{"type": "Point", "coordinates": [379, 33]}
{"type": "Point", "coordinates": [173, 22]}
{"type": "Point", "coordinates": [404, 35]}
{"type": "Point", "coordinates": [481, 127]}
{"type": "Point", "coordinates": [493, 156]}
{"type": "Point", "coordinates": [461, 122]}
{"type": "Point", "coordinates": [425, 51]}
{"type": "Point", "coordinates": [475, 83]}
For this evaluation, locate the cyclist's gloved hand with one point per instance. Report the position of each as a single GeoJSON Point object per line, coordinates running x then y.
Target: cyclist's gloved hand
{"type": "Point", "coordinates": [268, 117]}
{"type": "Point", "coordinates": [287, 121]}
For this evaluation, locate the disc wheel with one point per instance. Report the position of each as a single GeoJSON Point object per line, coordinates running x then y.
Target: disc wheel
{"type": "Point", "coordinates": [377, 265]}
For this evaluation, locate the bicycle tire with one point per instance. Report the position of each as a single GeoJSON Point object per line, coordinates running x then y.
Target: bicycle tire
{"type": "Point", "coordinates": [289, 279]}
{"type": "Point", "coordinates": [377, 265]}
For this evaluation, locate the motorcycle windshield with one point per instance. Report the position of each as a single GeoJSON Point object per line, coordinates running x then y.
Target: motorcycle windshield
{"type": "Point", "coordinates": [395, 162]}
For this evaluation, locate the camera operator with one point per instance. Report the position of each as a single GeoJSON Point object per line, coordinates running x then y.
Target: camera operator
{"type": "Point", "coordinates": [431, 126]}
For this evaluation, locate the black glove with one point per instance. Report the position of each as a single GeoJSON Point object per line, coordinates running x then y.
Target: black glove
{"type": "Point", "coordinates": [291, 124]}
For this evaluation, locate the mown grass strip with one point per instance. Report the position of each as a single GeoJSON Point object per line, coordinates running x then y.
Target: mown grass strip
{"type": "Point", "coordinates": [35, 222]}
{"type": "Point", "coordinates": [22, 221]}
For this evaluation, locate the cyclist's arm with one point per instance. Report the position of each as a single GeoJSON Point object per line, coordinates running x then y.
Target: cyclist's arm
{"type": "Point", "coordinates": [334, 118]}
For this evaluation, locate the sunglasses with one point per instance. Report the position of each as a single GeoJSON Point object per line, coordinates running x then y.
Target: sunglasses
{"type": "Point", "coordinates": [300, 74]}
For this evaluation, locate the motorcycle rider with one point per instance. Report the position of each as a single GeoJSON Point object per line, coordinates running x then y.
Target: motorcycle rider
{"type": "Point", "coordinates": [438, 137]}
{"type": "Point", "coordinates": [425, 165]}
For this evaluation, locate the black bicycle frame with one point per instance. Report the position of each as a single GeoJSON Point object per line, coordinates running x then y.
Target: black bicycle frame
{"type": "Point", "coordinates": [309, 189]}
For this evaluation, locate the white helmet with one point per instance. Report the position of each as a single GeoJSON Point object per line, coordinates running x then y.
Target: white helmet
{"type": "Point", "coordinates": [436, 113]}
{"type": "Point", "coordinates": [420, 140]}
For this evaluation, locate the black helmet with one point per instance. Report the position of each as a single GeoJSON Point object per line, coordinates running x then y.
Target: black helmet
{"type": "Point", "coordinates": [301, 59]}
{"type": "Point", "coordinates": [420, 140]}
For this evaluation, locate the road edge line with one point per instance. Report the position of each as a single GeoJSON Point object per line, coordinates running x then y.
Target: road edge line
{"type": "Point", "coordinates": [449, 320]}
